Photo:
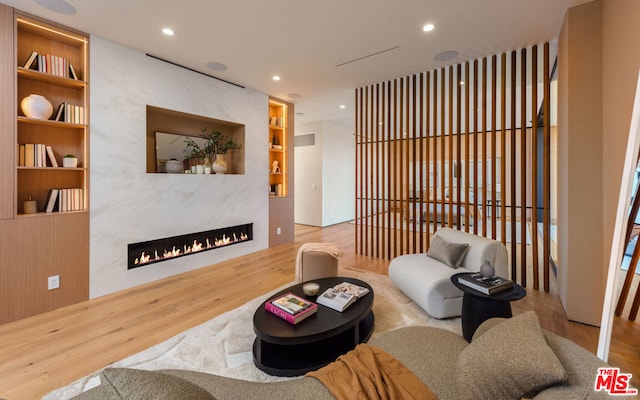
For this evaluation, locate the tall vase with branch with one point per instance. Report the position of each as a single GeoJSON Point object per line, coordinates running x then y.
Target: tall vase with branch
{"type": "Point", "coordinates": [216, 144]}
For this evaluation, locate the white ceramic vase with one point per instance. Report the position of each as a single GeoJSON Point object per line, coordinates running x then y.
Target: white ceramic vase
{"type": "Point", "coordinates": [487, 270]}
{"type": "Point", "coordinates": [173, 167]}
{"type": "Point", "coordinates": [220, 165]}
{"type": "Point", "coordinates": [36, 106]}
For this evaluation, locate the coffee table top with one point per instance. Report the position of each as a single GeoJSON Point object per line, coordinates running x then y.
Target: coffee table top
{"type": "Point", "coordinates": [324, 324]}
{"type": "Point", "coordinates": [512, 294]}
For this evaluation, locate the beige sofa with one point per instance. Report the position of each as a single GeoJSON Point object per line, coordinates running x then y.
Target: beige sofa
{"type": "Point", "coordinates": [506, 359]}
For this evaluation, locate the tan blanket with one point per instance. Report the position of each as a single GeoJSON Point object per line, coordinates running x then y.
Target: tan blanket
{"type": "Point", "coordinates": [368, 372]}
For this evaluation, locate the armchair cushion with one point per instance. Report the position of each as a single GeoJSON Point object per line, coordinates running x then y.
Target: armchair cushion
{"type": "Point", "coordinates": [449, 253]}
{"type": "Point", "coordinates": [508, 361]}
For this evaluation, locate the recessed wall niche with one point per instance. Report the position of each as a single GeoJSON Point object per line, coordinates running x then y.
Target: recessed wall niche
{"type": "Point", "coordinates": [182, 126]}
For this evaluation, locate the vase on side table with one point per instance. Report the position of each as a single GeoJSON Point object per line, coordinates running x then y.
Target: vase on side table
{"type": "Point", "coordinates": [220, 165]}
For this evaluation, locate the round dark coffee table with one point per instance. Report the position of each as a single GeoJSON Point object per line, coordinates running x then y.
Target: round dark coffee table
{"type": "Point", "coordinates": [283, 349]}
{"type": "Point", "coordinates": [478, 307]}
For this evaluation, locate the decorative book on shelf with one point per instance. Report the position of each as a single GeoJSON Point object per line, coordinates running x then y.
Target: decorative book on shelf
{"type": "Point", "coordinates": [485, 285]}
{"type": "Point", "coordinates": [291, 308]}
{"type": "Point", "coordinates": [341, 296]}
{"type": "Point", "coordinates": [63, 200]}
{"type": "Point", "coordinates": [35, 155]}
{"type": "Point", "coordinates": [50, 64]}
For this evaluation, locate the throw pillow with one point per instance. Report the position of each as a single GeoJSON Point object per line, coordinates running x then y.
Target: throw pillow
{"type": "Point", "coordinates": [449, 253]}
{"type": "Point", "coordinates": [508, 361]}
{"type": "Point", "coordinates": [134, 384]}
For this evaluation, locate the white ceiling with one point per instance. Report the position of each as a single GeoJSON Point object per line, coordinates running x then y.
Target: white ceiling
{"type": "Point", "coordinates": [305, 41]}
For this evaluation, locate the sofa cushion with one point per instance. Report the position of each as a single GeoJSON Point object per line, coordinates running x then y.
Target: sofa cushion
{"type": "Point", "coordinates": [134, 384]}
{"type": "Point", "coordinates": [508, 361]}
{"type": "Point", "coordinates": [449, 253]}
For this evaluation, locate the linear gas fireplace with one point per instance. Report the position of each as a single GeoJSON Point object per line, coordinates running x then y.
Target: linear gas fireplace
{"type": "Point", "coordinates": [153, 251]}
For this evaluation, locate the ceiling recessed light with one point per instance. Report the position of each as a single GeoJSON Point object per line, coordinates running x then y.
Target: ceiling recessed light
{"type": "Point", "coordinates": [276, 78]}
{"type": "Point", "coordinates": [216, 66]}
{"type": "Point", "coordinates": [168, 31]}
{"type": "Point", "coordinates": [461, 83]}
{"type": "Point", "coordinates": [294, 95]}
{"type": "Point", "coordinates": [428, 27]}
{"type": "Point", "coordinates": [343, 106]}
{"type": "Point", "coordinates": [59, 6]}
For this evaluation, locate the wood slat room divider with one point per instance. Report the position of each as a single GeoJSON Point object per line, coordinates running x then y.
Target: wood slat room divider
{"type": "Point", "coordinates": [464, 146]}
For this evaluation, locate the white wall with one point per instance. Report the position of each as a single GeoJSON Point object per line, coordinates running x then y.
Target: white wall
{"type": "Point", "coordinates": [308, 177]}
{"type": "Point", "coordinates": [338, 174]}
{"type": "Point", "coordinates": [127, 204]}
{"type": "Point", "coordinates": [325, 175]}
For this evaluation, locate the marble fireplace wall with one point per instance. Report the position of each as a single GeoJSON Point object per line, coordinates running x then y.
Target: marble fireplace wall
{"type": "Point", "coordinates": [127, 205]}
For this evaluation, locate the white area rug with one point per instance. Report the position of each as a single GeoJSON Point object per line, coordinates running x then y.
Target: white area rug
{"type": "Point", "coordinates": [223, 345]}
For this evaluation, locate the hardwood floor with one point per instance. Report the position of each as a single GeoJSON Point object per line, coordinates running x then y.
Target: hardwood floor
{"type": "Point", "coordinates": [48, 351]}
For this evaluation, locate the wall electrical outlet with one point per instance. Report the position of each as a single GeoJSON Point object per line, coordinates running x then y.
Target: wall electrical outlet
{"type": "Point", "coordinates": [278, 231]}
{"type": "Point", "coordinates": [53, 282]}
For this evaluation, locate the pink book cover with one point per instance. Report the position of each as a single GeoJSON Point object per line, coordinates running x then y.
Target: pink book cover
{"type": "Point", "coordinates": [292, 319]}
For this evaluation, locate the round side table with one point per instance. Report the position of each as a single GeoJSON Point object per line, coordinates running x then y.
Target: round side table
{"type": "Point", "coordinates": [478, 307]}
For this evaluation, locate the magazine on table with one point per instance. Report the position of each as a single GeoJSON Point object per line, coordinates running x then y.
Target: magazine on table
{"type": "Point", "coordinates": [291, 308]}
{"type": "Point", "coordinates": [341, 296]}
{"type": "Point", "coordinates": [490, 285]}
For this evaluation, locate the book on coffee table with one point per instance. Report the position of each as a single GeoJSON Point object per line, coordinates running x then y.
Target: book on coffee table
{"type": "Point", "coordinates": [291, 308]}
{"type": "Point", "coordinates": [485, 285]}
{"type": "Point", "coordinates": [341, 296]}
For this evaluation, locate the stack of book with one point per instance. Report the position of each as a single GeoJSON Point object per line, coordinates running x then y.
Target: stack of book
{"type": "Point", "coordinates": [341, 296]}
{"type": "Point", "coordinates": [491, 285]}
{"type": "Point", "coordinates": [291, 308]}
{"type": "Point", "coordinates": [50, 64]}
{"type": "Point", "coordinates": [35, 155]}
{"type": "Point", "coordinates": [63, 200]}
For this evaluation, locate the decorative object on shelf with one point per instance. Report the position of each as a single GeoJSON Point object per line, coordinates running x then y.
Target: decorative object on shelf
{"type": "Point", "coordinates": [207, 165]}
{"type": "Point", "coordinates": [173, 166]}
{"type": "Point", "coordinates": [200, 169]}
{"type": "Point", "coordinates": [30, 206]}
{"type": "Point", "coordinates": [70, 161]}
{"type": "Point", "coordinates": [275, 169]}
{"type": "Point", "coordinates": [216, 142]}
{"type": "Point", "coordinates": [487, 270]}
{"type": "Point", "coordinates": [220, 165]}
{"type": "Point", "coordinates": [274, 141]}
{"type": "Point", "coordinates": [36, 106]}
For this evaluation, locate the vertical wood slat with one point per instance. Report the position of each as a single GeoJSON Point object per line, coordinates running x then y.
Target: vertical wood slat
{"type": "Point", "coordinates": [476, 175]}
{"type": "Point", "coordinates": [547, 169]}
{"type": "Point", "coordinates": [483, 138]}
{"type": "Point", "coordinates": [377, 174]}
{"type": "Point", "coordinates": [458, 131]}
{"type": "Point", "coordinates": [389, 205]}
{"type": "Point", "coordinates": [442, 147]}
{"type": "Point", "coordinates": [466, 146]}
{"type": "Point", "coordinates": [421, 163]}
{"type": "Point", "coordinates": [366, 175]}
{"type": "Point", "coordinates": [359, 196]}
{"type": "Point", "coordinates": [534, 166]}
{"type": "Point", "coordinates": [427, 151]}
{"type": "Point", "coordinates": [394, 174]}
{"type": "Point", "coordinates": [401, 165]}
{"type": "Point", "coordinates": [449, 190]}
{"type": "Point", "coordinates": [436, 177]}
{"type": "Point", "coordinates": [494, 93]}
{"type": "Point", "coordinates": [503, 148]}
{"type": "Point", "coordinates": [411, 244]}
{"type": "Point", "coordinates": [523, 165]}
{"type": "Point", "coordinates": [513, 165]}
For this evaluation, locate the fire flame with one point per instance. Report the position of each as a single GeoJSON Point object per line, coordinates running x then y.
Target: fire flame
{"type": "Point", "coordinates": [193, 248]}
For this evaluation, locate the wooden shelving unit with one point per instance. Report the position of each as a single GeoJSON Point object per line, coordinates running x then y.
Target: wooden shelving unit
{"type": "Point", "coordinates": [278, 123]}
{"type": "Point", "coordinates": [37, 246]}
{"type": "Point", "coordinates": [63, 137]}
{"type": "Point", "coordinates": [281, 199]}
